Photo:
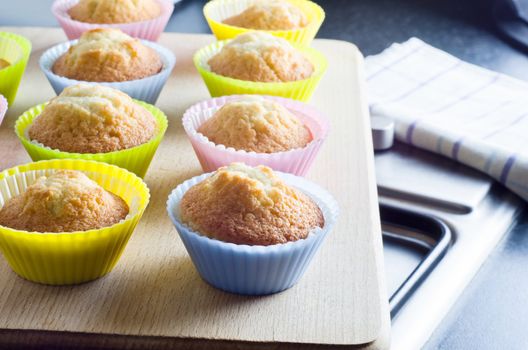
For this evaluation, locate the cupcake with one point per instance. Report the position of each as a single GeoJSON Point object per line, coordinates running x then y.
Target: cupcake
{"type": "Point", "coordinates": [294, 20]}
{"type": "Point", "coordinates": [248, 230]}
{"type": "Point", "coordinates": [114, 11]}
{"type": "Point", "coordinates": [255, 124]}
{"type": "Point", "coordinates": [280, 133]}
{"type": "Point", "coordinates": [113, 58]}
{"type": "Point", "coordinates": [261, 57]}
{"type": "Point", "coordinates": [92, 119]}
{"type": "Point", "coordinates": [244, 205]}
{"type": "Point", "coordinates": [269, 15]}
{"type": "Point", "coordinates": [107, 55]}
{"type": "Point", "coordinates": [145, 19]}
{"type": "Point", "coordinates": [65, 201]}
{"type": "Point", "coordinates": [14, 55]}
{"type": "Point", "coordinates": [94, 122]}
{"type": "Point", "coordinates": [67, 221]}
{"type": "Point", "coordinates": [259, 63]}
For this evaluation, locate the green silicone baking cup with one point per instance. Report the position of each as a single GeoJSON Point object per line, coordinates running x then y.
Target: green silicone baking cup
{"type": "Point", "coordinates": [15, 49]}
{"type": "Point", "coordinates": [219, 85]}
{"type": "Point", "coordinates": [135, 159]}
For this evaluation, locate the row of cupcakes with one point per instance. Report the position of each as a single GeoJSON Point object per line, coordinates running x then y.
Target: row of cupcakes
{"type": "Point", "coordinates": [248, 230]}
{"type": "Point", "coordinates": [296, 20]}
{"type": "Point", "coordinates": [96, 122]}
{"type": "Point", "coordinates": [252, 63]}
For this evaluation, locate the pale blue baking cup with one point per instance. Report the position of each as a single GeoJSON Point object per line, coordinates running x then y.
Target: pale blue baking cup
{"type": "Point", "coordinates": [254, 270]}
{"type": "Point", "coordinates": [147, 89]}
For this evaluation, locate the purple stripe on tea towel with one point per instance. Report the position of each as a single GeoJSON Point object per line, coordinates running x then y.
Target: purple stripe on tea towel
{"type": "Point", "coordinates": [456, 148]}
{"type": "Point", "coordinates": [507, 167]}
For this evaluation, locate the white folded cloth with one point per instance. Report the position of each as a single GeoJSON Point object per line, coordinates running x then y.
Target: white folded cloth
{"type": "Point", "coordinates": [442, 104]}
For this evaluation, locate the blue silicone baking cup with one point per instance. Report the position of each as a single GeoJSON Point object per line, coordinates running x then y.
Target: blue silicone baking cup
{"type": "Point", "coordinates": [147, 89]}
{"type": "Point", "coordinates": [254, 270]}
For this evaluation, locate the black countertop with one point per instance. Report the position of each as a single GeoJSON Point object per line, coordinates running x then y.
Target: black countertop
{"type": "Point", "coordinates": [492, 312]}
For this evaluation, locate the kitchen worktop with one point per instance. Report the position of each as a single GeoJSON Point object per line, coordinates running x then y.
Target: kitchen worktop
{"type": "Point", "coordinates": [492, 312]}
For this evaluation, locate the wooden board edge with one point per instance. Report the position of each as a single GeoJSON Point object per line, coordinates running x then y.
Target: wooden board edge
{"type": "Point", "coordinates": [382, 340]}
{"type": "Point", "coordinates": [52, 340]}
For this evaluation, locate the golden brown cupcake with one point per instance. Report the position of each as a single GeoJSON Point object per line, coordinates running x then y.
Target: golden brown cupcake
{"type": "Point", "coordinates": [114, 11]}
{"type": "Point", "coordinates": [108, 55]}
{"type": "Point", "coordinates": [256, 124]}
{"type": "Point", "coordinates": [246, 205]}
{"type": "Point", "coordinates": [4, 63]}
{"type": "Point", "coordinates": [92, 119]}
{"type": "Point", "coordinates": [65, 201]}
{"type": "Point", "coordinates": [269, 15]}
{"type": "Point", "coordinates": [261, 57]}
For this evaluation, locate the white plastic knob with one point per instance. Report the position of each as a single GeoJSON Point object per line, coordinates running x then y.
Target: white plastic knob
{"type": "Point", "coordinates": [382, 132]}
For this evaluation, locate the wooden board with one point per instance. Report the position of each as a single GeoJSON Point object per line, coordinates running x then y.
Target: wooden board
{"type": "Point", "coordinates": [156, 295]}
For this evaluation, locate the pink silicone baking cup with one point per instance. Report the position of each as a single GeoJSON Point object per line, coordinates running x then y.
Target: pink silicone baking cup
{"type": "Point", "coordinates": [148, 30]}
{"type": "Point", "coordinates": [212, 156]}
{"type": "Point", "coordinates": [3, 108]}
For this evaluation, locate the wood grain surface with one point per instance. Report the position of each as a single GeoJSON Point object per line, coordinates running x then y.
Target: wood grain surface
{"type": "Point", "coordinates": [155, 297]}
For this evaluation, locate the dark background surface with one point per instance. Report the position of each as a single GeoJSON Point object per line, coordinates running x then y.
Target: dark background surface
{"type": "Point", "coordinates": [492, 313]}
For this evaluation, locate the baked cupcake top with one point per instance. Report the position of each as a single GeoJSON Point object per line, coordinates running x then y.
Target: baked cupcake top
{"type": "Point", "coordinates": [107, 55]}
{"type": "Point", "coordinates": [256, 124]}
{"type": "Point", "coordinates": [261, 57]}
{"type": "Point", "coordinates": [269, 15]}
{"type": "Point", "coordinates": [114, 11]}
{"type": "Point", "coordinates": [246, 205]}
{"type": "Point", "coordinates": [4, 63]}
{"type": "Point", "coordinates": [65, 201]}
{"type": "Point", "coordinates": [92, 119]}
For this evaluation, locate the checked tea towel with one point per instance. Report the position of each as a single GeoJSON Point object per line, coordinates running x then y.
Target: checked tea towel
{"type": "Point", "coordinates": [442, 104]}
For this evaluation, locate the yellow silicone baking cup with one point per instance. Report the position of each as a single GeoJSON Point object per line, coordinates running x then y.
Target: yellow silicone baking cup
{"type": "Point", "coordinates": [136, 159]}
{"type": "Point", "coordinates": [70, 257]}
{"type": "Point", "coordinates": [216, 11]}
{"type": "Point", "coordinates": [15, 49]}
{"type": "Point", "coordinates": [219, 85]}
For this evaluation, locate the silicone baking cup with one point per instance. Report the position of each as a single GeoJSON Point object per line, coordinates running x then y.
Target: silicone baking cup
{"type": "Point", "coordinates": [136, 159]}
{"type": "Point", "coordinates": [218, 10]}
{"type": "Point", "coordinates": [295, 161]}
{"type": "Point", "coordinates": [70, 257]}
{"type": "Point", "coordinates": [219, 85]}
{"type": "Point", "coordinates": [3, 108]}
{"type": "Point", "coordinates": [148, 30]}
{"type": "Point", "coordinates": [146, 89]}
{"type": "Point", "coordinates": [15, 49]}
{"type": "Point", "coordinates": [253, 270]}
